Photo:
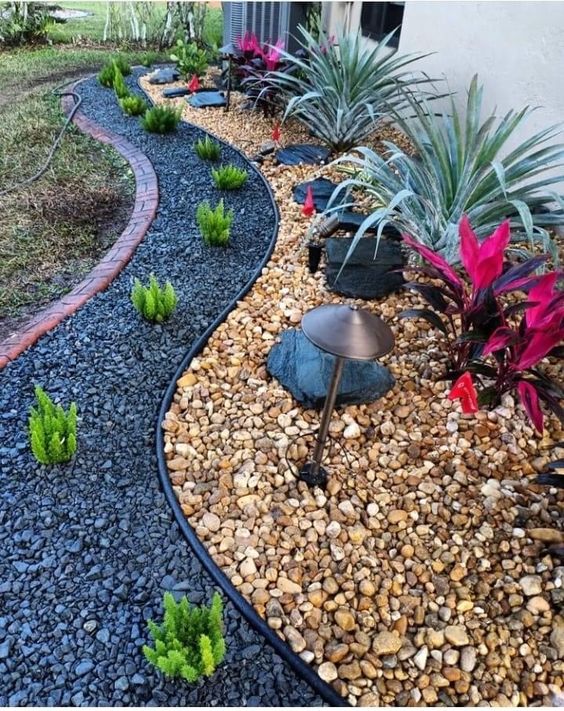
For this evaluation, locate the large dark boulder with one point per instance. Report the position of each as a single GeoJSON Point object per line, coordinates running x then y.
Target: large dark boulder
{"type": "Point", "coordinates": [351, 221]}
{"type": "Point", "coordinates": [207, 98]}
{"type": "Point", "coordinates": [305, 371]}
{"type": "Point", "coordinates": [164, 76]}
{"type": "Point", "coordinates": [365, 276]}
{"type": "Point", "coordinates": [302, 153]}
{"type": "Point", "coordinates": [174, 92]}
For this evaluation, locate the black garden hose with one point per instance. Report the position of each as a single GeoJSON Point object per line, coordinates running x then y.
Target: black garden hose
{"type": "Point", "coordinates": [57, 91]}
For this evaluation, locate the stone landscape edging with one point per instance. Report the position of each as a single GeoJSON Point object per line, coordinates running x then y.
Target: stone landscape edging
{"type": "Point", "coordinates": [301, 668]}
{"type": "Point", "coordinates": [111, 264]}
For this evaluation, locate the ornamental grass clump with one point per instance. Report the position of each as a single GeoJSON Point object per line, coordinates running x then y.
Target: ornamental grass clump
{"type": "Point", "coordinates": [133, 105]}
{"type": "Point", "coordinates": [154, 302]}
{"type": "Point", "coordinates": [490, 335]}
{"type": "Point", "coordinates": [229, 177]}
{"type": "Point", "coordinates": [207, 149]}
{"type": "Point", "coordinates": [340, 89]}
{"type": "Point", "coordinates": [107, 74]}
{"type": "Point", "coordinates": [215, 224]}
{"type": "Point", "coordinates": [459, 164]}
{"type": "Point", "coordinates": [122, 64]}
{"type": "Point", "coordinates": [52, 431]}
{"type": "Point", "coordinates": [189, 643]}
{"type": "Point", "coordinates": [161, 119]}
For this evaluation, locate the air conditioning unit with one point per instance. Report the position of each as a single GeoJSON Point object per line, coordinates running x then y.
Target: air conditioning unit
{"type": "Point", "coordinates": [269, 21]}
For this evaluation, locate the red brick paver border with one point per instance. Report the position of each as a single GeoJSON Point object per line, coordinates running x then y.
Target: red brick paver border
{"type": "Point", "coordinates": [144, 210]}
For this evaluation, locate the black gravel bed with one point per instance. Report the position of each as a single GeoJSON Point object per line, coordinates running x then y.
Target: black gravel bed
{"type": "Point", "coordinates": [88, 549]}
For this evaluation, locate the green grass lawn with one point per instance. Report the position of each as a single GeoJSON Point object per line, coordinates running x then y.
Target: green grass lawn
{"type": "Point", "coordinates": [55, 230]}
{"type": "Point", "coordinates": [90, 28]}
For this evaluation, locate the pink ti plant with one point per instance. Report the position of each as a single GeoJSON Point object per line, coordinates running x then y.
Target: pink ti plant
{"type": "Point", "coordinates": [499, 344]}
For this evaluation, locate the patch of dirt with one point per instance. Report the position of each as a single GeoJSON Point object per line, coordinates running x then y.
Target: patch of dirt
{"type": "Point", "coordinates": [106, 211]}
{"type": "Point", "coordinates": [7, 94]}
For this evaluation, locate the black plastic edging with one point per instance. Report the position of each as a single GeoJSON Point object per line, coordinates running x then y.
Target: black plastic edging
{"type": "Point", "coordinates": [301, 668]}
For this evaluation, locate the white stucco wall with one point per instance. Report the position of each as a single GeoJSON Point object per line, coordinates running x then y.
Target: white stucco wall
{"type": "Point", "coordinates": [516, 48]}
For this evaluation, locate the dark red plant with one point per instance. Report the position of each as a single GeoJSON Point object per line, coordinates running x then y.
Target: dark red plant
{"type": "Point", "coordinates": [251, 67]}
{"type": "Point", "coordinates": [276, 132]}
{"type": "Point", "coordinates": [249, 45]}
{"type": "Point", "coordinates": [500, 343]}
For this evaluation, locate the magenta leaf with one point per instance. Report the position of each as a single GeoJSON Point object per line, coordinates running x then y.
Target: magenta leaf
{"type": "Point", "coordinates": [469, 248]}
{"type": "Point", "coordinates": [464, 390]}
{"type": "Point", "coordinates": [530, 401]}
{"type": "Point", "coordinates": [500, 338]}
{"type": "Point", "coordinates": [515, 277]}
{"type": "Point", "coordinates": [539, 345]}
{"type": "Point", "coordinates": [442, 266]}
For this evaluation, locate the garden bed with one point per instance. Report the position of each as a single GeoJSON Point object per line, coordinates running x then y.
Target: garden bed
{"type": "Point", "coordinates": [421, 575]}
{"type": "Point", "coordinates": [88, 549]}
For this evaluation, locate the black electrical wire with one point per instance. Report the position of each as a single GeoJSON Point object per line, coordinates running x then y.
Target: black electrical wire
{"type": "Point", "coordinates": [292, 468]}
{"type": "Point", "coordinates": [56, 92]}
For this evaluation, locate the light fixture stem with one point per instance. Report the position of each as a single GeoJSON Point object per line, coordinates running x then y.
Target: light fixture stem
{"type": "Point", "coordinates": [228, 102]}
{"type": "Point", "coordinates": [327, 412]}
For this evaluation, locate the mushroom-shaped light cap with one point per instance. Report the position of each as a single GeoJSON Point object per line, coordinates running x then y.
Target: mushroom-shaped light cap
{"type": "Point", "coordinates": [348, 332]}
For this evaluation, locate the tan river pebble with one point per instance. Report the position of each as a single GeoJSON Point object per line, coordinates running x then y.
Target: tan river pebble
{"type": "Point", "coordinates": [403, 582]}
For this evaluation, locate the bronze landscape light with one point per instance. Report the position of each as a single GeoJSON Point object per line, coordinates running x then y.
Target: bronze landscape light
{"type": "Point", "coordinates": [348, 333]}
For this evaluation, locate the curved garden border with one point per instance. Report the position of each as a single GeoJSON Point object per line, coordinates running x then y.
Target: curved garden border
{"type": "Point", "coordinates": [302, 669]}
{"type": "Point", "coordinates": [111, 264]}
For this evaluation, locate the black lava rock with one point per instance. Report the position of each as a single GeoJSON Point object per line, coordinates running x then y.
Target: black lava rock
{"type": "Point", "coordinates": [368, 274]}
{"type": "Point", "coordinates": [305, 371]}
{"type": "Point", "coordinates": [302, 153]}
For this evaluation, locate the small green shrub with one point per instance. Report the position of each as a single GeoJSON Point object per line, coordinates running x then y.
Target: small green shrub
{"type": "Point", "coordinates": [52, 431]}
{"type": "Point", "coordinates": [190, 59]}
{"type": "Point", "coordinates": [120, 87]}
{"type": "Point", "coordinates": [161, 119]}
{"type": "Point", "coordinates": [154, 302]}
{"type": "Point", "coordinates": [207, 149]}
{"type": "Point", "coordinates": [106, 75]}
{"type": "Point", "coordinates": [229, 177]}
{"type": "Point", "coordinates": [122, 64]}
{"type": "Point", "coordinates": [189, 642]}
{"type": "Point", "coordinates": [149, 59]}
{"type": "Point", "coordinates": [133, 105]}
{"type": "Point", "coordinates": [215, 225]}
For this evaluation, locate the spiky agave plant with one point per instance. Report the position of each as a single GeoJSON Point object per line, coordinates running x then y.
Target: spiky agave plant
{"type": "Point", "coordinates": [339, 90]}
{"type": "Point", "coordinates": [459, 166]}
